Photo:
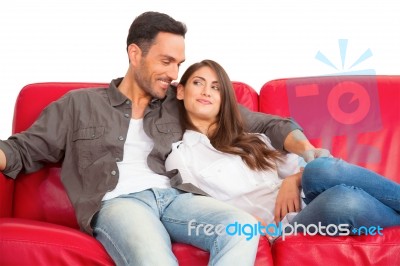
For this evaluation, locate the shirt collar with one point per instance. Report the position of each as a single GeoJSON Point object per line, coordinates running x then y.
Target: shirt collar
{"type": "Point", "coordinates": [117, 98]}
{"type": "Point", "coordinates": [191, 138]}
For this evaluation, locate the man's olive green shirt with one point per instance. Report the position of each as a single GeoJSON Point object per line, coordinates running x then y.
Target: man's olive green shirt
{"type": "Point", "coordinates": [86, 129]}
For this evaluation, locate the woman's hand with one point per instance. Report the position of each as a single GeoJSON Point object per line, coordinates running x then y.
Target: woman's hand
{"type": "Point", "coordinates": [288, 199]}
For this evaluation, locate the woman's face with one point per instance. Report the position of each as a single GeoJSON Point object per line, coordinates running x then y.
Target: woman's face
{"type": "Point", "coordinates": [201, 96]}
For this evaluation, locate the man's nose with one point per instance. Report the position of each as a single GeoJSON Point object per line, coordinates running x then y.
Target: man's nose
{"type": "Point", "coordinates": [173, 72]}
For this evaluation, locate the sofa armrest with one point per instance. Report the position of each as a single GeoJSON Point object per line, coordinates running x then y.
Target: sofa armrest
{"type": "Point", "coordinates": [29, 242]}
{"type": "Point", "coordinates": [6, 195]}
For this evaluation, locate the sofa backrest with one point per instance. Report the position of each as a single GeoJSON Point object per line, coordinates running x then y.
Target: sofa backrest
{"type": "Point", "coordinates": [40, 195]}
{"type": "Point", "coordinates": [356, 117]}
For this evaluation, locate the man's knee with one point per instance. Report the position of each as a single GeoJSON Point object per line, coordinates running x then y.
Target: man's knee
{"type": "Point", "coordinates": [242, 226]}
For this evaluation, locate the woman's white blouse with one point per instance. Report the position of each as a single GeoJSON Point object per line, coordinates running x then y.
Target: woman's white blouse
{"type": "Point", "coordinates": [226, 177]}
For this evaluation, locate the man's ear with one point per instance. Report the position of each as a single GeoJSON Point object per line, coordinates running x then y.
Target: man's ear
{"type": "Point", "coordinates": [134, 54]}
{"type": "Point", "coordinates": [180, 92]}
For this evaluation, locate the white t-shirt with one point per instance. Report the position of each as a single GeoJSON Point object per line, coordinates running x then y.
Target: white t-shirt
{"type": "Point", "coordinates": [227, 178]}
{"type": "Point", "coordinates": [134, 173]}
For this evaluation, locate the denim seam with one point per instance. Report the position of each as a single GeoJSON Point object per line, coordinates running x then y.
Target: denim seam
{"type": "Point", "coordinates": [216, 246]}
{"type": "Point", "coordinates": [113, 243]}
{"type": "Point", "coordinates": [176, 221]}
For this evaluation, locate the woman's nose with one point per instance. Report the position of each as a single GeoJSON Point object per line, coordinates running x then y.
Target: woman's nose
{"type": "Point", "coordinates": [206, 91]}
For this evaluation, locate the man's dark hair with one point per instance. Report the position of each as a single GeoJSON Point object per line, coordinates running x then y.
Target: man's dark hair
{"type": "Point", "coordinates": [145, 28]}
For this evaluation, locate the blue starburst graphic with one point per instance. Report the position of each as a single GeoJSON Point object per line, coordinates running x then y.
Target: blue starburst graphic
{"type": "Point", "coordinates": [343, 44]}
{"type": "Point", "coordinates": [346, 104]}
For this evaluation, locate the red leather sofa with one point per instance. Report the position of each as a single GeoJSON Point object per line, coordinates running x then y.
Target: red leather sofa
{"type": "Point", "coordinates": [37, 221]}
{"type": "Point", "coordinates": [356, 117]}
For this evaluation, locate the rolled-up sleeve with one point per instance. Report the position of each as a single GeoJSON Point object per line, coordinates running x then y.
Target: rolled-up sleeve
{"type": "Point", "coordinates": [41, 143]}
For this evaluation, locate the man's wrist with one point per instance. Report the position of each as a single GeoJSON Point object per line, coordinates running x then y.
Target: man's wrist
{"type": "Point", "coordinates": [296, 142]}
{"type": "Point", "coordinates": [2, 160]}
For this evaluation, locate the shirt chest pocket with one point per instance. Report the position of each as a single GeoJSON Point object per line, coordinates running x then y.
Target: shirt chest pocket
{"type": "Point", "coordinates": [170, 132]}
{"type": "Point", "coordinates": [226, 178]}
{"type": "Point", "coordinates": [88, 145]}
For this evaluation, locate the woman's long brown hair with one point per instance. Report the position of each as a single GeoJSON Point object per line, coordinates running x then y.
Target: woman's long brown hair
{"type": "Point", "coordinates": [229, 135]}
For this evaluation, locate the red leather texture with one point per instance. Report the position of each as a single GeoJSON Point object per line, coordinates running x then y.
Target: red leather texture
{"type": "Point", "coordinates": [200, 257]}
{"type": "Point", "coordinates": [28, 242]}
{"type": "Point", "coordinates": [38, 224]}
{"type": "Point", "coordinates": [342, 250]}
{"type": "Point", "coordinates": [246, 95]}
{"type": "Point", "coordinates": [319, 105]}
{"type": "Point", "coordinates": [358, 119]}
{"type": "Point", "coordinates": [6, 196]}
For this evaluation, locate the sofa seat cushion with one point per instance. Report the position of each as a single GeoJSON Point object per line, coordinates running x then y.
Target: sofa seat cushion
{"type": "Point", "coordinates": [341, 250]}
{"type": "Point", "coordinates": [199, 257]}
{"type": "Point", "coordinates": [29, 242]}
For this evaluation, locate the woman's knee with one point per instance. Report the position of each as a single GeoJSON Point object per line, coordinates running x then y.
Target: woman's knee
{"type": "Point", "coordinates": [318, 172]}
{"type": "Point", "coordinates": [344, 201]}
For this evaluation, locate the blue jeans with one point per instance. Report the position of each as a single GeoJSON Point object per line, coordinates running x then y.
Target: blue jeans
{"type": "Point", "coordinates": [337, 192]}
{"type": "Point", "coordinates": [137, 229]}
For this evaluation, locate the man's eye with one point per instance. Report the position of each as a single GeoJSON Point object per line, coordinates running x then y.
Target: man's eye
{"type": "Point", "coordinates": [165, 62]}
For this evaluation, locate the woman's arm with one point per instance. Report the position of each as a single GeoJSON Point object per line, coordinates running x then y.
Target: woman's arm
{"type": "Point", "coordinates": [288, 199]}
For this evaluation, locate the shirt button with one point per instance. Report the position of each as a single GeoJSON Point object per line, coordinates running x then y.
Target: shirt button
{"type": "Point", "coordinates": [128, 102]}
{"type": "Point", "coordinates": [126, 115]}
{"type": "Point", "coordinates": [117, 159]}
{"type": "Point", "coordinates": [121, 138]}
{"type": "Point", "coordinates": [113, 172]}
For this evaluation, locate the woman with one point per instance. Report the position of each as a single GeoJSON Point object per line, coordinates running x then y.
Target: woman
{"type": "Point", "coordinates": [218, 156]}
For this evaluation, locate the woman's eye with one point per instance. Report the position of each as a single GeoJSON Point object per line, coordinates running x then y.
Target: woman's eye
{"type": "Point", "coordinates": [198, 83]}
{"type": "Point", "coordinates": [215, 88]}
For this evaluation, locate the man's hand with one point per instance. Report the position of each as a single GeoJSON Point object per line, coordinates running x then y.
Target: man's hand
{"type": "Point", "coordinates": [311, 154]}
{"type": "Point", "coordinates": [288, 199]}
{"type": "Point", "coordinates": [2, 160]}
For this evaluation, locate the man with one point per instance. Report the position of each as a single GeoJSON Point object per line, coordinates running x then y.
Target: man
{"type": "Point", "coordinates": [113, 143]}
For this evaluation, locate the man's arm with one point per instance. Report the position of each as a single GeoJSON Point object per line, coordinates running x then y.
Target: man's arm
{"type": "Point", "coordinates": [296, 142]}
{"type": "Point", "coordinates": [285, 134]}
{"type": "Point", "coordinates": [43, 141]}
{"type": "Point", "coordinates": [2, 160]}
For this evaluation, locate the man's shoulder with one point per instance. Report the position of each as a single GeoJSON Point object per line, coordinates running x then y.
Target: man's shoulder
{"type": "Point", "coordinates": [170, 95]}
{"type": "Point", "coordinates": [171, 92]}
{"type": "Point", "coordinates": [86, 93]}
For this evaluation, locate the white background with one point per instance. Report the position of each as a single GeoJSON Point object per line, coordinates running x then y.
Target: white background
{"type": "Point", "coordinates": [256, 41]}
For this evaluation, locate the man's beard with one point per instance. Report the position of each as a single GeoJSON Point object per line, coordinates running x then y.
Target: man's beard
{"type": "Point", "coordinates": [144, 81]}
